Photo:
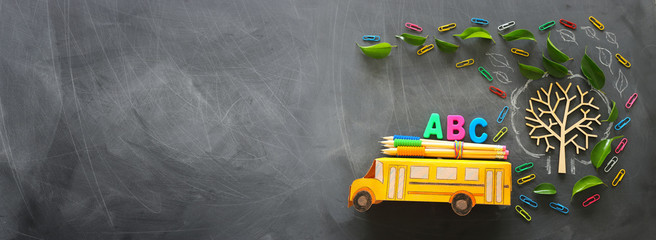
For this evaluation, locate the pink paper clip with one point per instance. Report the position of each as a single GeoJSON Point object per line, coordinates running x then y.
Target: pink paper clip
{"type": "Point", "coordinates": [591, 200]}
{"type": "Point", "coordinates": [621, 145]}
{"type": "Point", "coordinates": [631, 100]}
{"type": "Point", "coordinates": [413, 26]}
{"type": "Point", "coordinates": [497, 91]}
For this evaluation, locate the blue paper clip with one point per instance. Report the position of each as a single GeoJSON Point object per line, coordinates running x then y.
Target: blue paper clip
{"type": "Point", "coordinates": [622, 123]}
{"type": "Point", "coordinates": [559, 207]}
{"type": "Point", "coordinates": [372, 38]}
{"type": "Point", "coordinates": [502, 114]}
{"type": "Point", "coordinates": [479, 21]}
{"type": "Point", "coordinates": [528, 201]}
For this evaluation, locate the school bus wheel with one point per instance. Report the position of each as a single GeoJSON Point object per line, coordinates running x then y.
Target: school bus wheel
{"type": "Point", "coordinates": [362, 201]}
{"type": "Point", "coordinates": [461, 204]}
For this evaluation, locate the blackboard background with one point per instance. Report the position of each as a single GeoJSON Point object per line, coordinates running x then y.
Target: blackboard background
{"type": "Point", "coordinates": [249, 119]}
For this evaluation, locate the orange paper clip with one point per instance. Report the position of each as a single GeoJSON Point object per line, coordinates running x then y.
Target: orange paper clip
{"type": "Point", "coordinates": [621, 145]}
{"type": "Point", "coordinates": [497, 91]}
{"type": "Point", "coordinates": [619, 177]}
{"type": "Point", "coordinates": [425, 49]}
{"type": "Point", "coordinates": [623, 60]}
{"type": "Point", "coordinates": [592, 199]}
{"type": "Point", "coordinates": [465, 63]}
{"type": "Point", "coordinates": [413, 26]}
{"type": "Point", "coordinates": [596, 23]}
{"type": "Point", "coordinates": [631, 100]}
{"type": "Point", "coordinates": [519, 52]}
{"type": "Point", "coordinates": [447, 27]}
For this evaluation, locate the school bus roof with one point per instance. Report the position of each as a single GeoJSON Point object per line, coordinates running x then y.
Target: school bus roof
{"type": "Point", "coordinates": [438, 161]}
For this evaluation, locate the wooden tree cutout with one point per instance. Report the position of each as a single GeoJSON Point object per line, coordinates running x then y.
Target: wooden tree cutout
{"type": "Point", "coordinates": [556, 121]}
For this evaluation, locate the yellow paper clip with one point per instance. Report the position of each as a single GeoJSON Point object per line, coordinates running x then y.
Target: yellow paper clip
{"type": "Point", "coordinates": [623, 60]}
{"type": "Point", "coordinates": [425, 49]}
{"type": "Point", "coordinates": [522, 212]}
{"type": "Point", "coordinates": [597, 23]}
{"type": "Point", "coordinates": [447, 27]}
{"type": "Point", "coordinates": [525, 179]}
{"type": "Point", "coordinates": [519, 52]}
{"type": "Point", "coordinates": [619, 177]}
{"type": "Point", "coordinates": [500, 134]}
{"type": "Point", "coordinates": [465, 63]}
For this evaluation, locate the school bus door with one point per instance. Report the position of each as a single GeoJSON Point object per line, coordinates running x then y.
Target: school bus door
{"type": "Point", "coordinates": [396, 182]}
{"type": "Point", "coordinates": [494, 185]}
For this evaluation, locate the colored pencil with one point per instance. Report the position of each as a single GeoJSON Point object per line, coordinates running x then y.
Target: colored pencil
{"type": "Point", "coordinates": [429, 143]}
{"type": "Point", "coordinates": [450, 153]}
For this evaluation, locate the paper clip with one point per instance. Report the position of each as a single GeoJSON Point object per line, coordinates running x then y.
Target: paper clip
{"type": "Point", "coordinates": [497, 91]}
{"type": "Point", "coordinates": [621, 145]}
{"type": "Point", "coordinates": [528, 201]}
{"type": "Point", "coordinates": [485, 73]}
{"type": "Point", "coordinates": [619, 177]}
{"type": "Point", "coordinates": [524, 167]}
{"type": "Point", "coordinates": [506, 25]}
{"type": "Point", "coordinates": [465, 63]}
{"type": "Point", "coordinates": [525, 179]}
{"type": "Point", "coordinates": [559, 207]}
{"type": "Point", "coordinates": [568, 24]}
{"type": "Point", "coordinates": [547, 25]}
{"type": "Point", "coordinates": [500, 134]}
{"type": "Point", "coordinates": [447, 27]}
{"type": "Point", "coordinates": [502, 114]}
{"type": "Point", "coordinates": [425, 49]}
{"type": "Point", "coordinates": [592, 199]}
{"type": "Point", "coordinates": [414, 27]}
{"type": "Point", "coordinates": [622, 123]}
{"type": "Point", "coordinates": [519, 52]}
{"type": "Point", "coordinates": [631, 100]}
{"type": "Point", "coordinates": [372, 38]}
{"type": "Point", "coordinates": [597, 23]}
{"type": "Point", "coordinates": [479, 21]}
{"type": "Point", "coordinates": [610, 164]}
{"type": "Point", "coordinates": [623, 60]}
{"type": "Point", "coordinates": [524, 214]}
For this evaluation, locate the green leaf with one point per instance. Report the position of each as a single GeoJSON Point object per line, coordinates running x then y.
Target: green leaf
{"type": "Point", "coordinates": [545, 189]}
{"type": "Point", "coordinates": [553, 68]}
{"type": "Point", "coordinates": [555, 53]}
{"type": "Point", "coordinates": [592, 72]}
{"type": "Point", "coordinates": [518, 34]}
{"type": "Point", "coordinates": [585, 183]}
{"type": "Point", "coordinates": [613, 114]}
{"type": "Point", "coordinates": [380, 50]}
{"type": "Point", "coordinates": [530, 72]}
{"type": "Point", "coordinates": [412, 39]}
{"type": "Point", "coordinates": [445, 46]}
{"type": "Point", "coordinates": [474, 32]}
{"type": "Point", "coordinates": [600, 151]}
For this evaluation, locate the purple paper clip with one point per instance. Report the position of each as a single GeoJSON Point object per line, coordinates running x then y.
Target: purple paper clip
{"type": "Point", "coordinates": [621, 145]}
{"type": "Point", "coordinates": [413, 26]}
{"type": "Point", "coordinates": [631, 100]}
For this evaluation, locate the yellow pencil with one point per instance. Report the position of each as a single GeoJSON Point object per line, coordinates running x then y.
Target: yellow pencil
{"type": "Point", "coordinates": [446, 153]}
{"type": "Point", "coordinates": [429, 143]}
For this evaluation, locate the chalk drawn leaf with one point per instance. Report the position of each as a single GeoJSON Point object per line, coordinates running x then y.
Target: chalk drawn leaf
{"type": "Point", "coordinates": [605, 58]}
{"type": "Point", "coordinates": [553, 68]}
{"type": "Point", "coordinates": [501, 77]}
{"type": "Point", "coordinates": [590, 32]}
{"type": "Point", "coordinates": [621, 82]}
{"type": "Point", "coordinates": [412, 39]}
{"type": "Point", "coordinates": [518, 34]}
{"type": "Point", "coordinates": [610, 37]}
{"type": "Point", "coordinates": [585, 183]}
{"type": "Point", "coordinates": [567, 35]}
{"type": "Point", "coordinates": [499, 60]}
{"type": "Point", "coordinates": [474, 32]}
{"type": "Point", "coordinates": [446, 47]}
{"type": "Point", "coordinates": [555, 53]}
{"type": "Point", "coordinates": [530, 72]}
{"type": "Point", "coordinates": [613, 114]}
{"type": "Point", "coordinates": [380, 50]}
{"type": "Point", "coordinates": [592, 72]}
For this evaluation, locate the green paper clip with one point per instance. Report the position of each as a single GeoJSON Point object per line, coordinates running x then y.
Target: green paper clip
{"type": "Point", "coordinates": [547, 25]}
{"type": "Point", "coordinates": [485, 73]}
{"type": "Point", "coordinates": [524, 167]}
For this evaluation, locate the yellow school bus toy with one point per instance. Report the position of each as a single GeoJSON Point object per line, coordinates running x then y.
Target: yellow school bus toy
{"type": "Point", "coordinates": [462, 183]}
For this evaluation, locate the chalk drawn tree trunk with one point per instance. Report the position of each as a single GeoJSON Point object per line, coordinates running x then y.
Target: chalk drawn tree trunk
{"type": "Point", "coordinates": [557, 127]}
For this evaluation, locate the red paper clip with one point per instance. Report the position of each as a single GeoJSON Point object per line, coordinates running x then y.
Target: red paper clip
{"type": "Point", "coordinates": [413, 26]}
{"type": "Point", "coordinates": [631, 100]}
{"type": "Point", "coordinates": [567, 23]}
{"type": "Point", "coordinates": [621, 145]}
{"type": "Point", "coordinates": [591, 200]}
{"type": "Point", "coordinates": [497, 91]}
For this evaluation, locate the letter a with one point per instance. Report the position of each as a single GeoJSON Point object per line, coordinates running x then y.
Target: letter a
{"type": "Point", "coordinates": [454, 129]}
{"type": "Point", "coordinates": [434, 126]}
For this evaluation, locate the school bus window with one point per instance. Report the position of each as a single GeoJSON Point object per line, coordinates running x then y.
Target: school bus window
{"type": "Point", "coordinates": [419, 172]}
{"type": "Point", "coordinates": [379, 171]}
{"type": "Point", "coordinates": [446, 173]}
{"type": "Point", "coordinates": [471, 174]}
